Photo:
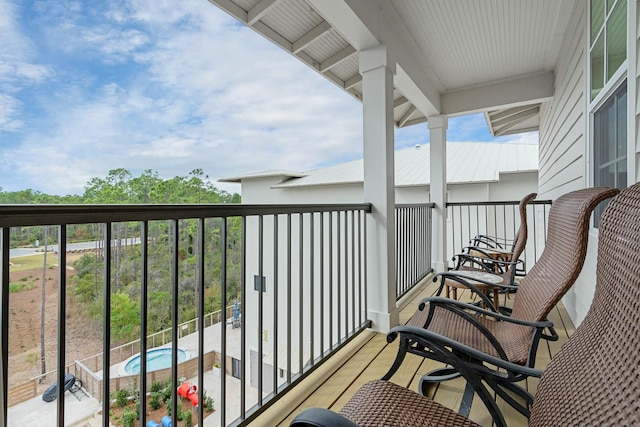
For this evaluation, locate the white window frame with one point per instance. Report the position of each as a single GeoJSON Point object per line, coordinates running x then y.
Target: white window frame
{"type": "Point", "coordinates": [610, 87]}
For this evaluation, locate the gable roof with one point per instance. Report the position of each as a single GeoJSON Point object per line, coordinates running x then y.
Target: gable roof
{"type": "Point", "coordinates": [466, 162]}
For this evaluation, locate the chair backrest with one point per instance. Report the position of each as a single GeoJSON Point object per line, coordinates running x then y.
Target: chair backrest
{"type": "Point", "coordinates": [594, 380]}
{"type": "Point", "coordinates": [565, 250]}
{"type": "Point", "coordinates": [521, 236]}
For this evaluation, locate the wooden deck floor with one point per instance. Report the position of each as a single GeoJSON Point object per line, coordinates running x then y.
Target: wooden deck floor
{"type": "Point", "coordinates": [369, 357]}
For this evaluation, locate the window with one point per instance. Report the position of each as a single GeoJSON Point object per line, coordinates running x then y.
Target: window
{"type": "Point", "coordinates": [608, 41]}
{"type": "Point", "coordinates": [610, 144]}
{"type": "Point", "coordinates": [236, 368]}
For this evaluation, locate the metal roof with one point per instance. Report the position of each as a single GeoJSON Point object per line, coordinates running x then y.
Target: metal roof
{"type": "Point", "coordinates": [265, 174]}
{"type": "Point", "coordinates": [454, 56]}
{"type": "Point", "coordinates": [466, 162]}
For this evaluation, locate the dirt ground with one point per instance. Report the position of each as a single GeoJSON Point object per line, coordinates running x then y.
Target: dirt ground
{"type": "Point", "coordinates": [83, 338]}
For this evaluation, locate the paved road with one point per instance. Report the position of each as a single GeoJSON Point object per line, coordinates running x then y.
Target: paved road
{"type": "Point", "coordinates": [18, 252]}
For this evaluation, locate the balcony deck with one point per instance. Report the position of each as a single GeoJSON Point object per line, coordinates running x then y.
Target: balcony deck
{"type": "Point", "coordinates": [369, 357]}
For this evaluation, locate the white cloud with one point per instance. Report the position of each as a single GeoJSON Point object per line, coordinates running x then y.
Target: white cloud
{"type": "Point", "coordinates": [17, 68]}
{"type": "Point", "coordinates": [114, 46]}
{"type": "Point", "coordinates": [9, 107]}
{"type": "Point", "coordinates": [169, 86]}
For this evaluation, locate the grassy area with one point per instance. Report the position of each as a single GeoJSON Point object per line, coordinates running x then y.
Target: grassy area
{"type": "Point", "coordinates": [22, 286]}
{"type": "Point", "coordinates": [24, 263]}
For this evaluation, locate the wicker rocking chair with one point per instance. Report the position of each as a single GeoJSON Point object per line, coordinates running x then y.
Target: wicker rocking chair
{"type": "Point", "coordinates": [593, 380]}
{"type": "Point", "coordinates": [496, 255]}
{"type": "Point", "coordinates": [485, 263]}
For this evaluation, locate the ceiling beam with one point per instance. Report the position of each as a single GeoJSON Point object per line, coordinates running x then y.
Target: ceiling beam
{"type": "Point", "coordinates": [517, 118]}
{"type": "Point", "coordinates": [400, 101]}
{"type": "Point", "coordinates": [318, 31]}
{"type": "Point", "coordinates": [507, 126]}
{"type": "Point", "coordinates": [337, 58]}
{"type": "Point", "coordinates": [501, 114]}
{"type": "Point", "coordinates": [243, 16]}
{"type": "Point", "coordinates": [344, 19]}
{"type": "Point", "coordinates": [352, 81]}
{"type": "Point", "coordinates": [232, 9]}
{"type": "Point", "coordinates": [414, 122]}
{"type": "Point", "coordinates": [530, 89]}
{"type": "Point", "coordinates": [259, 10]}
{"type": "Point", "coordinates": [519, 130]}
{"type": "Point", "coordinates": [405, 118]}
{"type": "Point", "coordinates": [369, 23]}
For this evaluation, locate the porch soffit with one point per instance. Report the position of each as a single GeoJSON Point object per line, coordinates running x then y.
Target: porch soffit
{"type": "Point", "coordinates": [453, 56]}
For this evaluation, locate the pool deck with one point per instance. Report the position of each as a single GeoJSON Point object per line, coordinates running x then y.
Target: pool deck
{"type": "Point", "coordinates": [84, 412]}
{"type": "Point", "coordinates": [36, 412]}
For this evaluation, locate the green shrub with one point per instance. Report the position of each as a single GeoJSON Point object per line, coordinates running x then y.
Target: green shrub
{"type": "Point", "coordinates": [129, 417]}
{"type": "Point", "coordinates": [122, 398]}
{"type": "Point", "coordinates": [187, 419]}
{"type": "Point", "coordinates": [166, 393]}
{"type": "Point", "coordinates": [156, 386]}
{"type": "Point", "coordinates": [137, 406]}
{"type": "Point", "coordinates": [154, 401]}
{"type": "Point", "coordinates": [208, 402]}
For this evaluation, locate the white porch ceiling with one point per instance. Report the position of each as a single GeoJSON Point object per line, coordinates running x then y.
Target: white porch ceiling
{"type": "Point", "coordinates": [454, 57]}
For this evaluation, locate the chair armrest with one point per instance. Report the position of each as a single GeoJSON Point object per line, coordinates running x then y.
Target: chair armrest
{"type": "Point", "coordinates": [320, 417]}
{"type": "Point", "coordinates": [482, 261]}
{"type": "Point", "coordinates": [491, 241]}
{"type": "Point", "coordinates": [486, 257]}
{"type": "Point", "coordinates": [426, 337]}
{"type": "Point", "coordinates": [441, 301]}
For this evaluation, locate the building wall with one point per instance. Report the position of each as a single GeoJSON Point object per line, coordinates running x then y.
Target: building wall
{"type": "Point", "coordinates": [565, 135]}
{"type": "Point", "coordinates": [563, 121]}
{"type": "Point", "coordinates": [564, 144]}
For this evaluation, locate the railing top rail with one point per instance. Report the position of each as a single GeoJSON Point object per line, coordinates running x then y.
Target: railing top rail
{"type": "Point", "coordinates": [28, 215]}
{"type": "Point", "coordinates": [503, 203]}
{"type": "Point", "coordinates": [416, 205]}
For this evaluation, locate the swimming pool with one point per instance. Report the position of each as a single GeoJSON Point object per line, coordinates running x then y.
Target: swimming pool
{"type": "Point", "coordinates": [158, 358]}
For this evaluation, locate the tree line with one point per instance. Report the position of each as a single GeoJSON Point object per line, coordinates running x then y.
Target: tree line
{"type": "Point", "coordinates": [121, 187]}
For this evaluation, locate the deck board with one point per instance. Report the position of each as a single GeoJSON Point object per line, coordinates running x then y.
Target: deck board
{"type": "Point", "coordinates": [375, 356]}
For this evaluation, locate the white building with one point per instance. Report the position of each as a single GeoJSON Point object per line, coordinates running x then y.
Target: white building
{"type": "Point", "coordinates": [476, 171]}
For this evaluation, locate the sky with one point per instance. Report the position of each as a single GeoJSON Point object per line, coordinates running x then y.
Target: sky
{"type": "Point", "coordinates": [172, 86]}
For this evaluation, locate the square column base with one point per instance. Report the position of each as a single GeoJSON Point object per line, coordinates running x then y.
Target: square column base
{"type": "Point", "coordinates": [383, 322]}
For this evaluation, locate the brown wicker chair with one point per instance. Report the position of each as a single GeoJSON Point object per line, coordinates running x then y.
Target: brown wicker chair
{"type": "Point", "coordinates": [488, 256]}
{"type": "Point", "coordinates": [592, 381]}
{"type": "Point", "coordinates": [497, 255]}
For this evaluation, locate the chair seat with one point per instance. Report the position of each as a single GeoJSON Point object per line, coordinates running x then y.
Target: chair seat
{"type": "Point", "coordinates": [513, 338]}
{"type": "Point", "coordinates": [383, 403]}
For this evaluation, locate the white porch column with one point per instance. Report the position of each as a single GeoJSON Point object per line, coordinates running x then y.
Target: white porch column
{"type": "Point", "coordinates": [379, 185]}
{"type": "Point", "coordinates": [438, 189]}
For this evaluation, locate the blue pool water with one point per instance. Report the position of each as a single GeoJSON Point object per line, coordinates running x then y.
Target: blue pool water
{"type": "Point", "coordinates": [158, 358]}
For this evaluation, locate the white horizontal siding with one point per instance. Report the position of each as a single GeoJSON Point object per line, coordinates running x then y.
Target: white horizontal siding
{"type": "Point", "coordinates": [563, 122]}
